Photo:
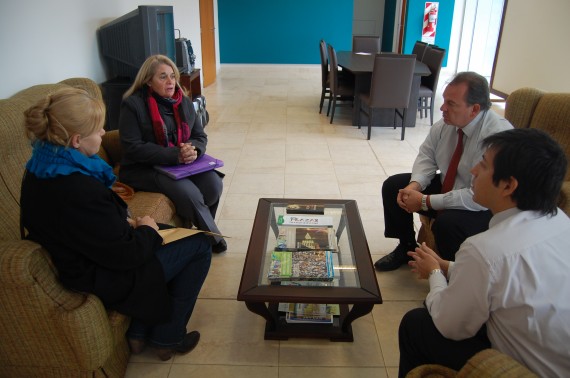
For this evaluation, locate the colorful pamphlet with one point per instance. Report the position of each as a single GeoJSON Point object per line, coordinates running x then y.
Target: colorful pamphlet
{"type": "Point", "coordinates": [301, 265]}
{"type": "Point", "coordinates": [306, 238]}
{"type": "Point", "coordinates": [305, 220]}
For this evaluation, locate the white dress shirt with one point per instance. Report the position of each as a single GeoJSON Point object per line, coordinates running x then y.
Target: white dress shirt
{"type": "Point", "coordinates": [514, 277]}
{"type": "Point", "coordinates": [436, 151]}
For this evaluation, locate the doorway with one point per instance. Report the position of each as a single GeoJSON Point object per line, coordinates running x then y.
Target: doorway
{"type": "Point", "coordinates": [208, 39]}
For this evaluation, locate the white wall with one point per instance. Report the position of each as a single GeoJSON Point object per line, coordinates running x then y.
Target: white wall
{"type": "Point", "coordinates": [534, 48]}
{"type": "Point", "coordinates": [48, 41]}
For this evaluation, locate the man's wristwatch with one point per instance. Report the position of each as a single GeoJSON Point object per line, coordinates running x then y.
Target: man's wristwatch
{"type": "Point", "coordinates": [424, 206]}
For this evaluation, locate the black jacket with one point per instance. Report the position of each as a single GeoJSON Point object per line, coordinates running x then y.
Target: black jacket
{"type": "Point", "coordinates": [140, 151]}
{"type": "Point", "coordinates": [83, 225]}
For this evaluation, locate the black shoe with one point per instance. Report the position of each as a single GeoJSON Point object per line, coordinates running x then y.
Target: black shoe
{"type": "Point", "coordinates": [188, 343]}
{"type": "Point", "coordinates": [394, 259]}
{"type": "Point", "coordinates": [136, 345]}
{"type": "Point", "coordinates": [220, 247]}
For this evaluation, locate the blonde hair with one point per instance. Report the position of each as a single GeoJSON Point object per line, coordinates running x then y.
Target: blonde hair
{"type": "Point", "coordinates": [59, 116]}
{"type": "Point", "coordinates": [147, 71]}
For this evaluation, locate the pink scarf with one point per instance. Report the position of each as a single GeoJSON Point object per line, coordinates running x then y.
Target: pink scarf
{"type": "Point", "coordinates": [183, 131]}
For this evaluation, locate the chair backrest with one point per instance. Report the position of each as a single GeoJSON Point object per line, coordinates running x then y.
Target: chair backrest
{"type": "Point", "coordinates": [520, 106]}
{"type": "Point", "coordinates": [366, 44]}
{"type": "Point", "coordinates": [391, 83]}
{"type": "Point", "coordinates": [333, 70]}
{"type": "Point", "coordinates": [419, 50]}
{"type": "Point", "coordinates": [324, 63]}
{"type": "Point", "coordinates": [433, 58]}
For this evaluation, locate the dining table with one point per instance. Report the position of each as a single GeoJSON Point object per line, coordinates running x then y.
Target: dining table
{"type": "Point", "coordinates": [361, 66]}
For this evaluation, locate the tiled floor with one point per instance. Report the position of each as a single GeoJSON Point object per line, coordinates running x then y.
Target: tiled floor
{"type": "Point", "coordinates": [265, 125]}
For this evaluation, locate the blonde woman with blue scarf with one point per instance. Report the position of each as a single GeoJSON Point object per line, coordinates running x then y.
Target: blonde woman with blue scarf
{"type": "Point", "coordinates": [69, 208]}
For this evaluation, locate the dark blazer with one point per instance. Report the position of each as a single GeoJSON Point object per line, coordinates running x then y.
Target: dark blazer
{"type": "Point", "coordinates": [83, 225]}
{"type": "Point", "coordinates": [140, 151]}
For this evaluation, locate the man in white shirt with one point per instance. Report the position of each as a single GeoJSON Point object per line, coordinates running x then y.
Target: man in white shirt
{"type": "Point", "coordinates": [466, 108]}
{"type": "Point", "coordinates": [509, 287]}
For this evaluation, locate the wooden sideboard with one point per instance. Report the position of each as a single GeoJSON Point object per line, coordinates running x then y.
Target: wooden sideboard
{"type": "Point", "coordinates": [191, 83]}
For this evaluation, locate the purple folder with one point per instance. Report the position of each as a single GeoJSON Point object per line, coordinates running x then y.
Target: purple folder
{"type": "Point", "coordinates": [202, 164]}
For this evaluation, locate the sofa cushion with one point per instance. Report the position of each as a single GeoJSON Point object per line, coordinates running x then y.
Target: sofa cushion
{"type": "Point", "coordinates": [157, 205]}
{"type": "Point", "coordinates": [552, 114]}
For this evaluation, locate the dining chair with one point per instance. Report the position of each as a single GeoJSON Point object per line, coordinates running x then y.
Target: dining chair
{"type": "Point", "coordinates": [390, 87]}
{"type": "Point", "coordinates": [419, 50]}
{"type": "Point", "coordinates": [366, 44]}
{"type": "Point", "coordinates": [325, 87]}
{"type": "Point", "coordinates": [341, 89]}
{"type": "Point", "coordinates": [433, 58]}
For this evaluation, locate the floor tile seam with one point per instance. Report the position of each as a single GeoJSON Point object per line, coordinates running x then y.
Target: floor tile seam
{"type": "Point", "coordinates": [225, 365]}
{"type": "Point", "coordinates": [234, 173]}
{"type": "Point", "coordinates": [373, 150]}
{"type": "Point", "coordinates": [372, 366]}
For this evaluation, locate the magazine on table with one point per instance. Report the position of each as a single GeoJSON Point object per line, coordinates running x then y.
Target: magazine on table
{"type": "Point", "coordinates": [309, 313]}
{"type": "Point", "coordinates": [295, 208]}
{"type": "Point", "coordinates": [301, 266]}
{"type": "Point", "coordinates": [306, 238]}
{"type": "Point", "coordinates": [306, 220]}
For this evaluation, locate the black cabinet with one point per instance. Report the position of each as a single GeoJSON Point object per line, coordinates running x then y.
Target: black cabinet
{"type": "Point", "coordinates": [113, 91]}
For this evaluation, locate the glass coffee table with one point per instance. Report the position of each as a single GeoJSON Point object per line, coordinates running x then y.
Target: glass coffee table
{"type": "Point", "coordinates": [354, 287]}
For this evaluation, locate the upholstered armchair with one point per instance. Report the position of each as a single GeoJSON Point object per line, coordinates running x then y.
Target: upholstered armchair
{"type": "Point", "coordinates": [45, 329]}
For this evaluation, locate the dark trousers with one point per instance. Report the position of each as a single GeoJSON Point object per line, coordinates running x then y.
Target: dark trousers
{"type": "Point", "coordinates": [196, 198]}
{"type": "Point", "coordinates": [421, 343]}
{"type": "Point", "coordinates": [185, 263]}
{"type": "Point", "coordinates": [450, 229]}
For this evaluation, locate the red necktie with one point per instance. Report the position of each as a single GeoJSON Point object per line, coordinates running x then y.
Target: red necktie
{"type": "Point", "coordinates": [452, 170]}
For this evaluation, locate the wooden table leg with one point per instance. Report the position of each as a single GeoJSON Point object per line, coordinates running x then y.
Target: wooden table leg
{"type": "Point", "coordinates": [261, 309]}
{"type": "Point", "coordinates": [358, 310]}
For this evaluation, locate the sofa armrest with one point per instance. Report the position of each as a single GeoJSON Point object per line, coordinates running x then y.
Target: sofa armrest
{"type": "Point", "coordinates": [70, 329]}
{"type": "Point", "coordinates": [520, 106]}
{"type": "Point", "coordinates": [431, 371]}
{"type": "Point", "coordinates": [488, 363]}
{"type": "Point", "coordinates": [492, 363]}
{"type": "Point", "coordinates": [88, 332]}
{"type": "Point", "coordinates": [113, 150]}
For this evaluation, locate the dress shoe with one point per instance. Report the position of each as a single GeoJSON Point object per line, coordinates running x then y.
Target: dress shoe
{"type": "Point", "coordinates": [188, 343]}
{"type": "Point", "coordinates": [136, 345]}
{"type": "Point", "coordinates": [220, 247]}
{"type": "Point", "coordinates": [394, 259]}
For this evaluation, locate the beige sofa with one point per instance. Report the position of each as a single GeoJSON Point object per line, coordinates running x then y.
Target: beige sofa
{"type": "Point", "coordinates": [47, 330]}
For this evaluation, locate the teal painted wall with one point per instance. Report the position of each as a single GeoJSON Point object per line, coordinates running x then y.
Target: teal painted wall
{"type": "Point", "coordinates": [282, 31]}
{"type": "Point", "coordinates": [414, 22]}
{"type": "Point", "coordinates": [388, 27]}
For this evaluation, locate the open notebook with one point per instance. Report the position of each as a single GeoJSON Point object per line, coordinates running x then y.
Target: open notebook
{"type": "Point", "coordinates": [202, 164]}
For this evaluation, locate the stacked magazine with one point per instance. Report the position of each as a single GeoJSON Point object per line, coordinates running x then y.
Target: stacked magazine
{"type": "Point", "coordinates": [304, 248]}
{"type": "Point", "coordinates": [301, 266]}
{"type": "Point", "coordinates": [309, 313]}
{"type": "Point", "coordinates": [292, 238]}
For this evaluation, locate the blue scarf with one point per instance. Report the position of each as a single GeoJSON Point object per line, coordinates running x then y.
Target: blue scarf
{"type": "Point", "coordinates": [50, 160]}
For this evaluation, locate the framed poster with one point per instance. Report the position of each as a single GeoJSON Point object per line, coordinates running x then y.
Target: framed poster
{"type": "Point", "coordinates": [430, 22]}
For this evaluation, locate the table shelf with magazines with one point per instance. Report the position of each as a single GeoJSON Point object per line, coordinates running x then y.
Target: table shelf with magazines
{"type": "Point", "coordinates": [349, 282]}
